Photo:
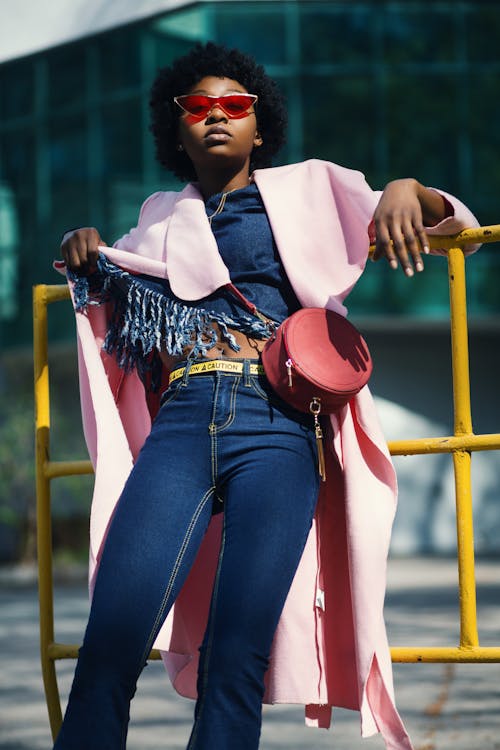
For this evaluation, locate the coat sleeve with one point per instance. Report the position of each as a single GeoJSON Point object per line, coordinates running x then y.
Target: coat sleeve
{"type": "Point", "coordinates": [147, 239]}
{"type": "Point", "coordinates": [130, 241]}
{"type": "Point", "coordinates": [458, 217]}
{"type": "Point", "coordinates": [462, 218]}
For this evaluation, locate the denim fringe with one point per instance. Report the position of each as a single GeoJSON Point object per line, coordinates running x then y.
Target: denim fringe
{"type": "Point", "coordinates": [145, 321]}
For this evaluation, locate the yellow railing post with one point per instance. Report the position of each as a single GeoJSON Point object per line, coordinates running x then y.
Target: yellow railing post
{"type": "Point", "coordinates": [44, 528]}
{"type": "Point", "coordinates": [462, 458]}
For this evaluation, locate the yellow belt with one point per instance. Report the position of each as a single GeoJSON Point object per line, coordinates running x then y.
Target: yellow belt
{"type": "Point", "coordinates": [215, 365]}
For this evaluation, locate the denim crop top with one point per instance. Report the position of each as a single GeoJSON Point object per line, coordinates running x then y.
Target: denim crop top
{"type": "Point", "coordinates": [146, 315]}
{"type": "Point", "coordinates": [246, 244]}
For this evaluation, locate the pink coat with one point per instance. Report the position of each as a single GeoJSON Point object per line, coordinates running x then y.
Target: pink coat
{"type": "Point", "coordinates": [330, 648]}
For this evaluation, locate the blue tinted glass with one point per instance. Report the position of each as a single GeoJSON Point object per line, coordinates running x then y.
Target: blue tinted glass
{"type": "Point", "coordinates": [16, 89]}
{"type": "Point", "coordinates": [255, 28]}
{"type": "Point", "coordinates": [419, 32]}
{"type": "Point", "coordinates": [421, 127]}
{"type": "Point", "coordinates": [341, 34]}
{"type": "Point", "coordinates": [120, 59]}
{"type": "Point", "coordinates": [338, 121]}
{"type": "Point", "coordinates": [482, 32]}
{"type": "Point", "coordinates": [67, 76]}
{"type": "Point", "coordinates": [122, 139]}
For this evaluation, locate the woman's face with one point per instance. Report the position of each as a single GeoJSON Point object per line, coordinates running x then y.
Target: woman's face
{"type": "Point", "coordinates": [218, 141]}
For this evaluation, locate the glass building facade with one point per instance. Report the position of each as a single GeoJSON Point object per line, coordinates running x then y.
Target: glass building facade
{"type": "Point", "coordinates": [394, 89]}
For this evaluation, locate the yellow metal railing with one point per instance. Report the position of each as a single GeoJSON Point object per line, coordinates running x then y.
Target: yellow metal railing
{"type": "Point", "coordinates": [460, 445]}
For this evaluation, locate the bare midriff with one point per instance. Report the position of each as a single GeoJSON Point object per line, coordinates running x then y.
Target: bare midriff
{"type": "Point", "coordinates": [249, 349]}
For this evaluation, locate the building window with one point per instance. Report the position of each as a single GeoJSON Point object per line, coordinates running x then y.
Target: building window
{"type": "Point", "coordinates": [9, 251]}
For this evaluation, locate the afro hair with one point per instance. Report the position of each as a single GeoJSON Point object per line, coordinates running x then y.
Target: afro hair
{"type": "Point", "coordinates": [214, 60]}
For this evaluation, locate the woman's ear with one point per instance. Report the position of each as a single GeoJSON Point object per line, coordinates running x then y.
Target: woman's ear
{"type": "Point", "coordinates": [258, 140]}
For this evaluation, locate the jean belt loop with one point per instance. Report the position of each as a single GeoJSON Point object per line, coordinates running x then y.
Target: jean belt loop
{"type": "Point", "coordinates": [185, 375]}
{"type": "Point", "coordinates": [246, 373]}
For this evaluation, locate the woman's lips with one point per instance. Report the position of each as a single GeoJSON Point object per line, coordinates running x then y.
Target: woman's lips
{"type": "Point", "coordinates": [216, 135]}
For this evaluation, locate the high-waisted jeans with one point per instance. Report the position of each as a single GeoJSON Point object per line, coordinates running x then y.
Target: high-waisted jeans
{"type": "Point", "coordinates": [219, 441]}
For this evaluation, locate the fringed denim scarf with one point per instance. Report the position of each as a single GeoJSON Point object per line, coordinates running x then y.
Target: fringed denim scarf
{"type": "Point", "coordinates": [144, 321]}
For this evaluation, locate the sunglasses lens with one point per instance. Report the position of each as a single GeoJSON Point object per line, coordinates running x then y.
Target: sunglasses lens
{"type": "Point", "coordinates": [236, 104]}
{"type": "Point", "coordinates": [195, 104]}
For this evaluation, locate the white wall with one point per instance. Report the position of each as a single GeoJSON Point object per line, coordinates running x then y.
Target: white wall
{"type": "Point", "coordinates": [28, 26]}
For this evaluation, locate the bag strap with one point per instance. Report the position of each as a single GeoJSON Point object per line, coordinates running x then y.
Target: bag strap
{"type": "Point", "coordinates": [249, 305]}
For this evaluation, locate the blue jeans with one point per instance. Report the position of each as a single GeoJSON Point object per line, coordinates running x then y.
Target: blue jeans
{"type": "Point", "coordinates": [220, 441]}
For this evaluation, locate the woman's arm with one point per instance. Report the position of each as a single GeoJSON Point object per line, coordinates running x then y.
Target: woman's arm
{"type": "Point", "coordinates": [403, 211]}
{"type": "Point", "coordinates": [80, 247]}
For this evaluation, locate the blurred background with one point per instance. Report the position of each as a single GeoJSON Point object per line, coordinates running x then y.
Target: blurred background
{"type": "Point", "coordinates": [394, 89]}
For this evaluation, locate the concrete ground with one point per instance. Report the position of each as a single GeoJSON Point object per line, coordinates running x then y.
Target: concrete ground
{"type": "Point", "coordinates": [445, 707]}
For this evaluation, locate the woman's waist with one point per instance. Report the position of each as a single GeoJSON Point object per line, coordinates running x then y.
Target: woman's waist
{"type": "Point", "coordinates": [249, 348]}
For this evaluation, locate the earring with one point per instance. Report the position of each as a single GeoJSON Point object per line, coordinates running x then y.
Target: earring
{"type": "Point", "coordinates": [180, 147]}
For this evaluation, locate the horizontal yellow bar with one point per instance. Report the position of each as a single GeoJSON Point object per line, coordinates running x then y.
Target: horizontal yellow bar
{"type": "Point", "coordinates": [56, 292]}
{"type": "Point", "coordinates": [446, 654]}
{"type": "Point", "coordinates": [398, 654]}
{"type": "Point", "coordinates": [70, 651]}
{"type": "Point", "coordinates": [466, 237]}
{"type": "Point", "coordinates": [445, 444]}
{"type": "Point", "coordinates": [52, 469]}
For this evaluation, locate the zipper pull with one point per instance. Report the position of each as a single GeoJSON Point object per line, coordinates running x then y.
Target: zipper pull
{"type": "Point", "coordinates": [315, 408]}
{"type": "Point", "coordinates": [289, 365]}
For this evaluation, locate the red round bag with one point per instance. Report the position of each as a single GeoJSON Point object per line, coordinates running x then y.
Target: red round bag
{"type": "Point", "coordinates": [317, 360]}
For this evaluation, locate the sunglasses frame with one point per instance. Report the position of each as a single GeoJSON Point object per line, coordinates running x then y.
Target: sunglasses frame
{"type": "Point", "coordinates": [218, 101]}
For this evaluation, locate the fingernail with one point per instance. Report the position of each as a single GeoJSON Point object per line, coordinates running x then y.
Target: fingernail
{"type": "Point", "coordinates": [427, 249]}
{"type": "Point", "coordinates": [393, 263]}
{"type": "Point", "coordinates": [409, 271]}
{"type": "Point", "coordinates": [419, 265]}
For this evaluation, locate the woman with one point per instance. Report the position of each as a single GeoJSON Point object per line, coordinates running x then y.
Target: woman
{"type": "Point", "coordinates": [279, 586]}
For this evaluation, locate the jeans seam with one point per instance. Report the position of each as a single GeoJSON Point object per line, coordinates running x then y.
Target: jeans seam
{"type": "Point", "coordinates": [211, 632]}
{"type": "Point", "coordinates": [213, 456]}
{"type": "Point", "coordinates": [213, 434]}
{"type": "Point", "coordinates": [168, 399]}
{"type": "Point", "coordinates": [232, 410]}
{"type": "Point", "coordinates": [259, 391]}
{"type": "Point", "coordinates": [175, 570]}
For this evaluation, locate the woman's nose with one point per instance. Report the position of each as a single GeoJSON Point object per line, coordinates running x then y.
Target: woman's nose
{"type": "Point", "coordinates": [216, 114]}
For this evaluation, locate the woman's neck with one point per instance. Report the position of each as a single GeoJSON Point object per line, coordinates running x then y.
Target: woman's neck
{"type": "Point", "coordinates": [213, 183]}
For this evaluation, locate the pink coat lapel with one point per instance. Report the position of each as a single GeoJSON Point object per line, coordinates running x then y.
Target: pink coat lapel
{"type": "Point", "coordinates": [328, 232]}
{"type": "Point", "coordinates": [194, 265]}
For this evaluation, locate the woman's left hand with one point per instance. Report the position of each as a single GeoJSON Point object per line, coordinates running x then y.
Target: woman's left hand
{"type": "Point", "coordinates": [399, 223]}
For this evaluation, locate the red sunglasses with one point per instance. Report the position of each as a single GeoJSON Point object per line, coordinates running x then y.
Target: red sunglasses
{"type": "Point", "coordinates": [234, 106]}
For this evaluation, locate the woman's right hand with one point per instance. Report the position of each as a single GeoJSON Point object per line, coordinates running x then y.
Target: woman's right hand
{"type": "Point", "coordinates": [79, 249]}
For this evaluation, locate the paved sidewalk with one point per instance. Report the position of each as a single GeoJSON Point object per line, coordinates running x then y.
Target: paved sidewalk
{"type": "Point", "coordinates": [445, 707]}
